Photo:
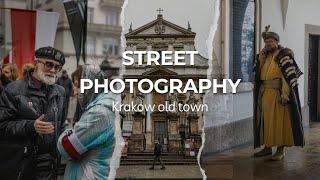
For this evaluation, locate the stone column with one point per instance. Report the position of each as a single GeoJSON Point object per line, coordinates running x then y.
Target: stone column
{"type": "Point", "coordinates": [136, 143]}
{"type": "Point", "coordinates": [148, 133]}
{"type": "Point", "coordinates": [174, 137]}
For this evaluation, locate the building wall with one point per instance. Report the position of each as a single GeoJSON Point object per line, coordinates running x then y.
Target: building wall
{"type": "Point", "coordinates": [293, 34]}
{"type": "Point", "coordinates": [229, 119]}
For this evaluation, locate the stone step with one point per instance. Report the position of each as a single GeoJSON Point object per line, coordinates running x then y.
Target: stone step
{"type": "Point", "coordinates": [164, 162]}
{"type": "Point", "coordinates": [163, 159]}
{"type": "Point", "coordinates": [167, 158]}
{"type": "Point", "coordinates": [151, 154]}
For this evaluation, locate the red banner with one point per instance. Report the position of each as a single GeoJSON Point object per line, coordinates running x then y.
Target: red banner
{"type": "Point", "coordinates": [6, 59]}
{"type": "Point", "coordinates": [23, 25]}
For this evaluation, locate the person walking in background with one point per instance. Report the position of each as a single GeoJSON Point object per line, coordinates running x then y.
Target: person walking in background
{"type": "Point", "coordinates": [8, 74]}
{"type": "Point", "coordinates": [157, 155]}
{"type": "Point", "coordinates": [26, 68]}
{"type": "Point", "coordinates": [76, 83]}
{"type": "Point", "coordinates": [66, 82]}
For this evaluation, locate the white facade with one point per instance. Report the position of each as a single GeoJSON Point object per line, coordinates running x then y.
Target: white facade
{"type": "Point", "coordinates": [226, 108]}
{"type": "Point", "coordinates": [231, 114]}
{"type": "Point", "coordinates": [302, 19]}
{"type": "Point", "coordinates": [292, 35]}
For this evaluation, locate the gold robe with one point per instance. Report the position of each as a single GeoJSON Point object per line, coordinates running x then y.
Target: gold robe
{"type": "Point", "coordinates": [277, 129]}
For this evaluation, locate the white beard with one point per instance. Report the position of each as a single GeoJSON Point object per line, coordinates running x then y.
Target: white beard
{"type": "Point", "coordinates": [46, 79]}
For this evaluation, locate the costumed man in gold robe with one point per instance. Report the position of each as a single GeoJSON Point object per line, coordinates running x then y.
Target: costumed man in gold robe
{"type": "Point", "coordinates": [277, 111]}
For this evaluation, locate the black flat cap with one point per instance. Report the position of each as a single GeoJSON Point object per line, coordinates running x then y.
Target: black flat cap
{"type": "Point", "coordinates": [50, 53]}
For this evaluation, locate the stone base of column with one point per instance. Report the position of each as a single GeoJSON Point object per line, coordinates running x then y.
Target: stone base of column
{"type": "Point", "coordinates": [136, 143]}
{"type": "Point", "coordinates": [149, 142]}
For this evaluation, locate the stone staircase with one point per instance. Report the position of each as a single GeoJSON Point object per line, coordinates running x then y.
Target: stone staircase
{"type": "Point", "coordinates": [146, 158]}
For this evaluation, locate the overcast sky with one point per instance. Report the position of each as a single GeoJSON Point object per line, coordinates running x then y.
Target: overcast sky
{"type": "Point", "coordinates": [198, 12]}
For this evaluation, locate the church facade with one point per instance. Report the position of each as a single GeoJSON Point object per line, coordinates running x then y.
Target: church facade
{"type": "Point", "coordinates": [171, 129]}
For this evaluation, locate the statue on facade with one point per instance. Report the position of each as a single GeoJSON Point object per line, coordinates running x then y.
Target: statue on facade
{"type": "Point", "coordinates": [173, 101]}
{"type": "Point", "coordinates": [192, 101]}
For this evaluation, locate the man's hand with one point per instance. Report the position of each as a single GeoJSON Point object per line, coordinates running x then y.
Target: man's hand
{"type": "Point", "coordinates": [263, 51]}
{"type": "Point", "coordinates": [43, 127]}
{"type": "Point", "coordinates": [283, 101]}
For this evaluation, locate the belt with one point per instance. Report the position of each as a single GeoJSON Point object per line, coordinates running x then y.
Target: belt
{"type": "Point", "coordinates": [272, 84]}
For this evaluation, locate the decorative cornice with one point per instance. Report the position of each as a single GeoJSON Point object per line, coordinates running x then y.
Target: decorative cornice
{"type": "Point", "coordinates": [160, 21]}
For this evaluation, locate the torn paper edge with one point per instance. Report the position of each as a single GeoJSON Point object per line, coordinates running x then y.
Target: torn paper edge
{"type": "Point", "coordinates": [209, 45]}
{"type": "Point", "coordinates": [116, 156]}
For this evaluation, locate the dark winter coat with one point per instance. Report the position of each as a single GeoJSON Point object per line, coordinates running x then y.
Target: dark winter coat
{"type": "Point", "coordinates": [157, 149]}
{"type": "Point", "coordinates": [21, 103]}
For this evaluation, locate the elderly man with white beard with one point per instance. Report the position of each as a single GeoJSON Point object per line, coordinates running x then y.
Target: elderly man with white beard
{"type": "Point", "coordinates": [31, 110]}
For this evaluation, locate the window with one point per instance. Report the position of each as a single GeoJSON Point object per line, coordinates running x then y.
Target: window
{"type": "Point", "coordinates": [1, 39]}
{"type": "Point", "coordinates": [116, 50]}
{"type": "Point", "coordinates": [110, 47]}
{"type": "Point", "coordinates": [144, 56]}
{"type": "Point", "coordinates": [159, 48]}
{"type": "Point", "coordinates": [112, 18]}
{"type": "Point", "coordinates": [247, 43]}
{"type": "Point", "coordinates": [90, 15]}
{"type": "Point", "coordinates": [91, 45]}
{"type": "Point", "coordinates": [38, 2]}
{"type": "Point", "coordinates": [242, 33]}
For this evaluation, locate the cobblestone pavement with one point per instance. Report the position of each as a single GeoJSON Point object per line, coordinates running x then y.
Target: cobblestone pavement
{"type": "Point", "coordinates": [171, 172]}
{"type": "Point", "coordinates": [299, 163]}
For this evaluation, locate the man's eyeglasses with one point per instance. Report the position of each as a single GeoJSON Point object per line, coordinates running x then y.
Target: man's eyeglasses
{"type": "Point", "coordinates": [49, 65]}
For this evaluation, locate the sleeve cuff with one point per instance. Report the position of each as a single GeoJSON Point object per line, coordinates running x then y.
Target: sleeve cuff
{"type": "Point", "coordinates": [30, 128]}
{"type": "Point", "coordinates": [285, 96]}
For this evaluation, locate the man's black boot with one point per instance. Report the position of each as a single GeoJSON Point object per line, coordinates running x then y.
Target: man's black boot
{"type": "Point", "coordinates": [264, 152]}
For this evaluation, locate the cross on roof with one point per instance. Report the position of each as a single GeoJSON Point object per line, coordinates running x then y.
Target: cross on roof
{"type": "Point", "coordinates": [159, 10]}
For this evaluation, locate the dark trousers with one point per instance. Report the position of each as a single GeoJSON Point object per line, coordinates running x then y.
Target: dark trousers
{"type": "Point", "coordinates": [45, 169]}
{"type": "Point", "coordinates": [157, 158]}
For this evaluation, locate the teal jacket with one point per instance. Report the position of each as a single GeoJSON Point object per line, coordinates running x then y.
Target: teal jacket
{"type": "Point", "coordinates": [89, 146]}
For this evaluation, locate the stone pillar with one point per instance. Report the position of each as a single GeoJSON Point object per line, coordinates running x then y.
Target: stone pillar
{"type": "Point", "coordinates": [194, 133]}
{"type": "Point", "coordinates": [148, 134]}
{"type": "Point", "coordinates": [174, 138]}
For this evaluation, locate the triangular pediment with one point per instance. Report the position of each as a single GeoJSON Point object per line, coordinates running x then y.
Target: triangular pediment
{"type": "Point", "coordinates": [159, 71]}
{"type": "Point", "coordinates": [160, 27]}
